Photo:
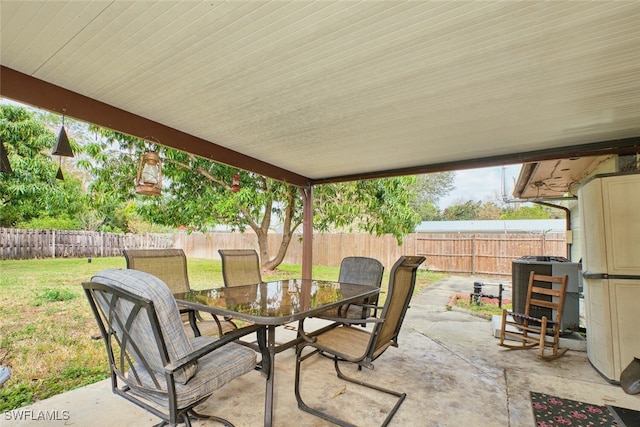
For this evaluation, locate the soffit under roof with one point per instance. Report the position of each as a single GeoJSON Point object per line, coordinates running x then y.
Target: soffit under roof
{"type": "Point", "coordinates": [554, 179]}
{"type": "Point", "coordinates": [334, 89]}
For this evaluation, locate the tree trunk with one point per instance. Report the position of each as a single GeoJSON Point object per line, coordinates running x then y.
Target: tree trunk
{"type": "Point", "coordinates": [287, 233]}
{"type": "Point", "coordinates": [263, 243]}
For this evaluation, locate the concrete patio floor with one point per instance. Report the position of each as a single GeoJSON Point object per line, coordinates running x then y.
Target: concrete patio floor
{"type": "Point", "coordinates": [448, 363]}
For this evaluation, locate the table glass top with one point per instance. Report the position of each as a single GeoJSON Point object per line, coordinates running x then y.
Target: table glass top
{"type": "Point", "coordinates": [277, 299]}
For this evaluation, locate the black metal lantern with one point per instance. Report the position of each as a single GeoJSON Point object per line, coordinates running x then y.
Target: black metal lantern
{"type": "Point", "coordinates": [62, 148]}
{"type": "Point", "coordinates": [149, 178]}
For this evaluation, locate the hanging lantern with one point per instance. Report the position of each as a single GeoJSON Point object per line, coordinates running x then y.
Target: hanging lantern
{"type": "Point", "coordinates": [62, 148]}
{"type": "Point", "coordinates": [149, 179]}
{"type": "Point", "coordinates": [235, 183]}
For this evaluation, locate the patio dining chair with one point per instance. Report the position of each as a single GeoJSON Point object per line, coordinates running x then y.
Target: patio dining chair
{"type": "Point", "coordinates": [360, 271]}
{"type": "Point", "coordinates": [533, 328]}
{"type": "Point", "coordinates": [153, 363]}
{"type": "Point", "coordinates": [346, 343]}
{"type": "Point", "coordinates": [240, 267]}
{"type": "Point", "coordinates": [170, 266]}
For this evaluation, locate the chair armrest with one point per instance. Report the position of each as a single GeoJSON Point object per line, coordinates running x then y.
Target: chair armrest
{"type": "Point", "coordinates": [378, 307]}
{"type": "Point", "coordinates": [343, 309]}
{"type": "Point", "coordinates": [221, 342]}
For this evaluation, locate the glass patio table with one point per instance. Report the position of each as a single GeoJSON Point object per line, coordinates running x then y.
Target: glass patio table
{"type": "Point", "coordinates": [273, 304]}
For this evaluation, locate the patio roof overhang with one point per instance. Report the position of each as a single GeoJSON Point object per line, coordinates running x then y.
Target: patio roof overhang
{"type": "Point", "coordinates": [315, 92]}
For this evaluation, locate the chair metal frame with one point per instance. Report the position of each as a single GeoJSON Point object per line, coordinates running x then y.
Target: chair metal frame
{"type": "Point", "coordinates": [338, 341]}
{"type": "Point", "coordinates": [519, 326]}
{"type": "Point", "coordinates": [125, 371]}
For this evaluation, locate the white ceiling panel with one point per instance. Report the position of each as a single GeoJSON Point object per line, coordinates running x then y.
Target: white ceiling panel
{"type": "Point", "coordinates": [330, 89]}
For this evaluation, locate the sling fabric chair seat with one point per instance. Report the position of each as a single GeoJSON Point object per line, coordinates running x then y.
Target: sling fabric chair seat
{"type": "Point", "coordinates": [153, 363]}
{"type": "Point", "coordinates": [346, 343]}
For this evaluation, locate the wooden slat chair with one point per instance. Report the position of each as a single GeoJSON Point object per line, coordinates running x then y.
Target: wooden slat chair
{"type": "Point", "coordinates": [532, 330]}
{"type": "Point", "coordinates": [170, 266]}
{"type": "Point", "coordinates": [153, 363]}
{"type": "Point", "coordinates": [346, 343]}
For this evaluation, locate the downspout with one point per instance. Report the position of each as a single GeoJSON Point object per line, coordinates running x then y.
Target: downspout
{"type": "Point", "coordinates": [307, 231]}
{"type": "Point", "coordinates": [567, 221]}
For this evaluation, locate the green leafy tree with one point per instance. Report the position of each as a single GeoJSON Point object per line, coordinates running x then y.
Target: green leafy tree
{"type": "Point", "coordinates": [465, 211]}
{"type": "Point", "coordinates": [197, 194]}
{"type": "Point", "coordinates": [429, 189]}
{"type": "Point", "coordinates": [31, 196]}
{"type": "Point", "coordinates": [529, 212]}
{"type": "Point", "coordinates": [377, 206]}
{"type": "Point", "coordinates": [489, 211]}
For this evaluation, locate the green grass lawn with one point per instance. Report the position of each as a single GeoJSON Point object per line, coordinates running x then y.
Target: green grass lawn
{"type": "Point", "coordinates": [486, 310]}
{"type": "Point", "coordinates": [46, 323]}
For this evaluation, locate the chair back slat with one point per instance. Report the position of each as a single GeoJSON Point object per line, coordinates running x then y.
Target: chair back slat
{"type": "Point", "coordinates": [240, 267]}
{"type": "Point", "coordinates": [402, 280]}
{"type": "Point", "coordinates": [545, 291]}
{"type": "Point", "coordinates": [544, 304]}
{"type": "Point", "coordinates": [169, 265]}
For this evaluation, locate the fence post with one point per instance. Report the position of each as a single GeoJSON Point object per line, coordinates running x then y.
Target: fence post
{"type": "Point", "coordinates": [473, 254]}
{"type": "Point", "coordinates": [53, 243]}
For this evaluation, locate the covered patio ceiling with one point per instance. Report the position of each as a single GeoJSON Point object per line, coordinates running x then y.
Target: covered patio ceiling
{"type": "Point", "coordinates": [313, 91]}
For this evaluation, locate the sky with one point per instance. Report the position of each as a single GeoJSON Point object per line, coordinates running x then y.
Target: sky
{"type": "Point", "coordinates": [484, 184]}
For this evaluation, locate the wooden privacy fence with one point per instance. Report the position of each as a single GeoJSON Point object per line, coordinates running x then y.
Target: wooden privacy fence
{"type": "Point", "coordinates": [486, 253]}
{"type": "Point", "coordinates": [461, 253]}
{"type": "Point", "coordinates": [26, 244]}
